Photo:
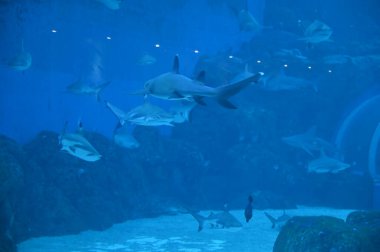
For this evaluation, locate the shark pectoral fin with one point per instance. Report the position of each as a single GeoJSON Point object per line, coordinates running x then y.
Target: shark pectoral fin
{"type": "Point", "coordinates": [199, 100]}
{"type": "Point", "coordinates": [226, 103]}
{"type": "Point", "coordinates": [176, 95]}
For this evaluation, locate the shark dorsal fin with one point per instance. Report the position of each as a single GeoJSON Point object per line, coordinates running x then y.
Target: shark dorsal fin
{"type": "Point", "coordinates": [201, 76]}
{"type": "Point", "coordinates": [80, 126]}
{"type": "Point", "coordinates": [176, 64]}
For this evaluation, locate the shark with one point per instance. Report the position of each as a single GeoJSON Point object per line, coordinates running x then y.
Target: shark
{"type": "Point", "coordinates": [78, 146]}
{"type": "Point", "coordinates": [124, 138]}
{"type": "Point", "coordinates": [82, 88]}
{"type": "Point", "coordinates": [146, 59]}
{"type": "Point", "coordinates": [148, 115]}
{"type": "Point", "coordinates": [317, 32]}
{"type": "Point", "coordinates": [247, 22]}
{"type": "Point", "coordinates": [309, 142]}
{"type": "Point", "coordinates": [175, 86]}
{"type": "Point", "coordinates": [325, 164]}
{"type": "Point", "coordinates": [21, 61]}
{"type": "Point", "coordinates": [278, 222]}
{"type": "Point", "coordinates": [223, 219]}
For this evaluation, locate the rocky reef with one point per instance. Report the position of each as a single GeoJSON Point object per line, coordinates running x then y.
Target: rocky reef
{"type": "Point", "coordinates": [359, 232]}
{"type": "Point", "coordinates": [45, 191]}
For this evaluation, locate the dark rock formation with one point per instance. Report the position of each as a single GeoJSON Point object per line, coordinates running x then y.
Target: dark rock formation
{"type": "Point", "coordinates": [317, 234]}
{"type": "Point", "coordinates": [360, 232]}
{"type": "Point", "coordinates": [12, 159]}
{"type": "Point", "coordinates": [367, 224]}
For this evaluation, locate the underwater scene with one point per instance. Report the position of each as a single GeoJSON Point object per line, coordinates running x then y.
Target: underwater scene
{"type": "Point", "coordinates": [189, 125]}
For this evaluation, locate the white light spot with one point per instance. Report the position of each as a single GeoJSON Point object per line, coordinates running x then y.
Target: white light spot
{"type": "Point", "coordinates": [108, 37]}
{"type": "Point", "coordinates": [157, 45]}
{"type": "Point", "coordinates": [196, 51]}
{"type": "Point", "coordinates": [53, 30]}
{"type": "Point", "coordinates": [258, 61]}
{"type": "Point", "coordinates": [285, 65]}
{"type": "Point", "coordinates": [231, 57]}
{"type": "Point", "coordinates": [309, 67]}
{"type": "Point", "coordinates": [330, 71]}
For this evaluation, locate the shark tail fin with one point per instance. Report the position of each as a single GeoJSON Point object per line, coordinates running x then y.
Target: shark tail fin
{"type": "Point", "coordinates": [271, 218]}
{"type": "Point", "coordinates": [226, 91]}
{"type": "Point", "coordinates": [199, 218]}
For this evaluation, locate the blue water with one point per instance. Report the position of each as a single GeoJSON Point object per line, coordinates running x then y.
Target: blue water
{"type": "Point", "coordinates": [220, 155]}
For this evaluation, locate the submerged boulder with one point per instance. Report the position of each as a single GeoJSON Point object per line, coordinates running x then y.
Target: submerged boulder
{"type": "Point", "coordinates": [367, 225]}
{"type": "Point", "coordinates": [12, 160]}
{"type": "Point", "coordinates": [317, 234]}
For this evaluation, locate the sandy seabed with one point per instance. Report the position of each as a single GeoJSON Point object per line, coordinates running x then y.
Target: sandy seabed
{"type": "Point", "coordinates": [176, 233]}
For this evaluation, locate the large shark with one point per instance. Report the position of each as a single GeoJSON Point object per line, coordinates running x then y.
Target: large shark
{"type": "Point", "coordinates": [309, 142]}
{"type": "Point", "coordinates": [325, 164]}
{"type": "Point", "coordinates": [149, 115]}
{"type": "Point", "coordinates": [77, 145]}
{"type": "Point", "coordinates": [175, 86]}
{"type": "Point", "coordinates": [317, 32]}
{"type": "Point", "coordinates": [223, 219]}
{"type": "Point", "coordinates": [82, 88]}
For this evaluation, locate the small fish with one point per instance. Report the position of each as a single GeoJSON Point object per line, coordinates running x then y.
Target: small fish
{"type": "Point", "coordinates": [278, 222]}
{"type": "Point", "coordinates": [222, 219]}
{"type": "Point", "coordinates": [77, 145]}
{"type": "Point", "coordinates": [146, 59]}
{"type": "Point", "coordinates": [325, 164]}
{"type": "Point", "coordinates": [317, 32]}
{"type": "Point", "coordinates": [248, 209]}
{"type": "Point", "coordinates": [81, 88]}
{"type": "Point", "coordinates": [174, 86]}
